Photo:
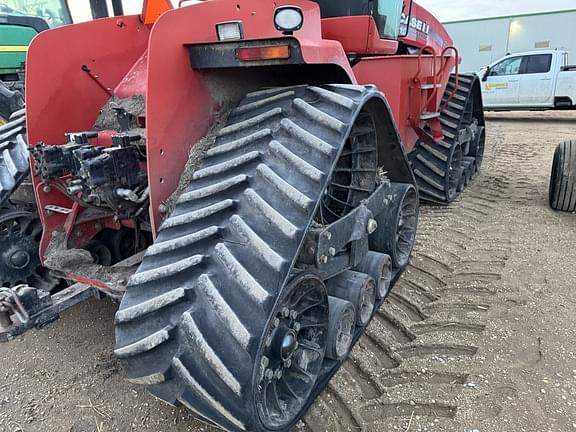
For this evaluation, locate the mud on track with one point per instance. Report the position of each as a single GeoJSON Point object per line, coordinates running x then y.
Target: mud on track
{"type": "Point", "coordinates": [479, 333]}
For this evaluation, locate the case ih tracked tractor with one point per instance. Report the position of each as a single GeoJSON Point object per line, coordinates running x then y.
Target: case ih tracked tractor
{"type": "Point", "coordinates": [274, 151]}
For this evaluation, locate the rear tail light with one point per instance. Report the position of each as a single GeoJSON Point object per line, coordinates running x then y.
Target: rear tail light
{"type": "Point", "coordinates": [277, 52]}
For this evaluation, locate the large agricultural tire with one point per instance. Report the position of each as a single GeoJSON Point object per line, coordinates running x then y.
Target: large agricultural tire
{"type": "Point", "coordinates": [439, 168]}
{"type": "Point", "coordinates": [562, 193]}
{"type": "Point", "coordinates": [217, 317]}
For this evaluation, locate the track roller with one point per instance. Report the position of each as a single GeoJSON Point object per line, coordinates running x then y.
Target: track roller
{"type": "Point", "coordinates": [467, 172]}
{"type": "Point", "coordinates": [396, 230]}
{"type": "Point", "coordinates": [222, 316]}
{"type": "Point", "coordinates": [357, 288]}
{"type": "Point", "coordinates": [477, 151]}
{"type": "Point", "coordinates": [340, 328]}
{"type": "Point", "coordinates": [379, 266]}
{"type": "Point", "coordinates": [100, 253]}
{"type": "Point", "coordinates": [122, 243]}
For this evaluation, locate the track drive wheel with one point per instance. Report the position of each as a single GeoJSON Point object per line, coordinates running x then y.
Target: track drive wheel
{"type": "Point", "coordinates": [221, 316]}
{"type": "Point", "coordinates": [562, 193]}
{"type": "Point", "coordinates": [20, 234]}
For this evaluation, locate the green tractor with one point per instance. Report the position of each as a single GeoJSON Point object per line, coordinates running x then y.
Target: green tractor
{"type": "Point", "coordinates": [20, 21]}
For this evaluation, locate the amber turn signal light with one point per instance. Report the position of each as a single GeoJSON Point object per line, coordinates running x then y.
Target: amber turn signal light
{"type": "Point", "coordinates": [276, 52]}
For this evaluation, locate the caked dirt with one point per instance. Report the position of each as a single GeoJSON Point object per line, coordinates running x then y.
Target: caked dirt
{"type": "Point", "coordinates": [479, 335]}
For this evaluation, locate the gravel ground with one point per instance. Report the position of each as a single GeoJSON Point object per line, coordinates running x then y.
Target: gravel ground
{"type": "Point", "coordinates": [482, 333]}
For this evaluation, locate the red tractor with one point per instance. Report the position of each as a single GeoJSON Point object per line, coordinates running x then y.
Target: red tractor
{"type": "Point", "coordinates": [245, 176]}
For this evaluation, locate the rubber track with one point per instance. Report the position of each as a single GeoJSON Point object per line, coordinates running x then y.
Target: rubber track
{"type": "Point", "coordinates": [191, 321]}
{"type": "Point", "coordinates": [430, 161]}
{"type": "Point", "coordinates": [14, 166]}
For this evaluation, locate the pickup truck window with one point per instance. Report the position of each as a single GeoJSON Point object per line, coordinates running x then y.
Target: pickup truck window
{"type": "Point", "coordinates": [540, 63]}
{"type": "Point", "coordinates": [510, 66]}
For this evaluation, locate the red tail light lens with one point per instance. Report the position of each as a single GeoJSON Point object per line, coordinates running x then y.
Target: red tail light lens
{"type": "Point", "coordinates": [277, 52]}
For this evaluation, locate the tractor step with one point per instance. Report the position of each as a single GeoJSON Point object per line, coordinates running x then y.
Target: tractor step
{"type": "Point", "coordinates": [429, 115]}
{"type": "Point", "coordinates": [430, 86]}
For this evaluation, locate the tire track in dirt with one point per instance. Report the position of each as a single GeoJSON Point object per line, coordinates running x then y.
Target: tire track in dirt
{"type": "Point", "coordinates": [412, 364]}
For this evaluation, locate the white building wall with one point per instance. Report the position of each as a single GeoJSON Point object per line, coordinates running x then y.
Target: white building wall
{"type": "Point", "coordinates": [481, 42]}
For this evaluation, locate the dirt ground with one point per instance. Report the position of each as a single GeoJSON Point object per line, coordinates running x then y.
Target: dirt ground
{"type": "Point", "coordinates": [478, 336]}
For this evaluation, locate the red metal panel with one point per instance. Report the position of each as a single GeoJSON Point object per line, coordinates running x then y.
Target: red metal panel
{"type": "Point", "coordinates": [61, 97]}
{"type": "Point", "coordinates": [351, 32]}
{"type": "Point", "coordinates": [358, 35]}
{"type": "Point", "coordinates": [180, 106]}
{"type": "Point", "coordinates": [393, 75]}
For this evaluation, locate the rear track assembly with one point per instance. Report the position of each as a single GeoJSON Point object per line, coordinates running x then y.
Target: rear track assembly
{"type": "Point", "coordinates": [20, 227]}
{"type": "Point", "coordinates": [229, 312]}
{"type": "Point", "coordinates": [445, 168]}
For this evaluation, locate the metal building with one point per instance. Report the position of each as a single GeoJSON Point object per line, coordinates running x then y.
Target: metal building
{"type": "Point", "coordinates": [483, 41]}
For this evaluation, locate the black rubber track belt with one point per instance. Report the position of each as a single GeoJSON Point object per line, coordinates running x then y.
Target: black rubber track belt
{"type": "Point", "coordinates": [430, 162]}
{"type": "Point", "coordinates": [191, 322]}
{"type": "Point", "coordinates": [14, 167]}
{"type": "Point", "coordinates": [563, 179]}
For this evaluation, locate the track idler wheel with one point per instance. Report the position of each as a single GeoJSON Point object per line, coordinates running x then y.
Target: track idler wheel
{"type": "Point", "coordinates": [396, 232]}
{"type": "Point", "coordinates": [341, 328]}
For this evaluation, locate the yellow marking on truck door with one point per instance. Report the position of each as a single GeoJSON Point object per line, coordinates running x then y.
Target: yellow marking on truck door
{"type": "Point", "coordinates": [13, 48]}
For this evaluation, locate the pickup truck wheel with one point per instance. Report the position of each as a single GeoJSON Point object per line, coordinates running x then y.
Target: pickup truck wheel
{"type": "Point", "coordinates": [562, 193]}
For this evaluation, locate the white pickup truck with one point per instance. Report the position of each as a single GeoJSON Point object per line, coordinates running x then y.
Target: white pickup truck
{"type": "Point", "coordinates": [536, 80]}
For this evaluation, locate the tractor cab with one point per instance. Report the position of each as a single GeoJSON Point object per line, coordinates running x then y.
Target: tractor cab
{"type": "Point", "coordinates": [387, 14]}
{"type": "Point", "coordinates": [366, 27]}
